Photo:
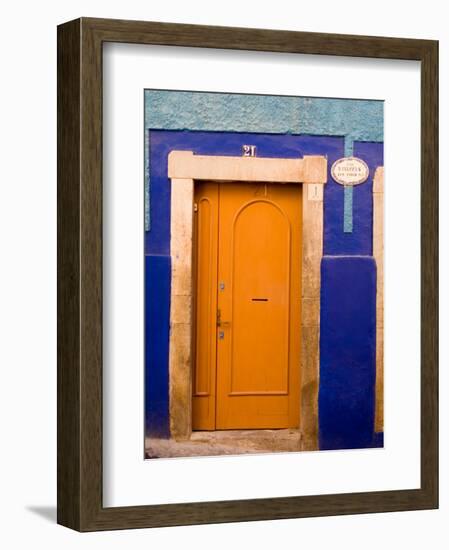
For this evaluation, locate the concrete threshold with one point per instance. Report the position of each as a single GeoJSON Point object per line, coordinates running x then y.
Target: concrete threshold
{"type": "Point", "coordinates": [226, 442]}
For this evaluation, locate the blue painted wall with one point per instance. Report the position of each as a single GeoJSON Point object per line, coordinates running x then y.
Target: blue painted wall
{"type": "Point", "coordinates": [348, 315]}
{"type": "Point", "coordinates": [157, 330]}
{"type": "Point", "coordinates": [347, 374]}
{"type": "Point", "coordinates": [347, 352]}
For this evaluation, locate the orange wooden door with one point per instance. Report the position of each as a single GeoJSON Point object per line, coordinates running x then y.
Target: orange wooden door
{"type": "Point", "coordinates": [253, 369]}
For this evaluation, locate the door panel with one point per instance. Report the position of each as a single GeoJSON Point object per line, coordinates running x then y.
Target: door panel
{"type": "Point", "coordinates": [205, 277]}
{"type": "Point", "coordinates": [259, 282]}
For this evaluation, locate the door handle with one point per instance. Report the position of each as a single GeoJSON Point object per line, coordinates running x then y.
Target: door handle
{"type": "Point", "coordinates": [221, 323]}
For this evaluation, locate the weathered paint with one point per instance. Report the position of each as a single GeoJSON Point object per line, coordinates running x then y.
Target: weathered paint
{"type": "Point", "coordinates": [356, 119]}
{"type": "Point", "coordinates": [362, 120]}
{"type": "Point", "coordinates": [347, 352]}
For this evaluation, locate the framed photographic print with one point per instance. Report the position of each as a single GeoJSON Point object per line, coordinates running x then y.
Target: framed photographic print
{"type": "Point", "coordinates": [247, 274]}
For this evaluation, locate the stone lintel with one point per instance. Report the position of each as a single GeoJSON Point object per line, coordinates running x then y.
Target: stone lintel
{"type": "Point", "coordinates": [184, 164]}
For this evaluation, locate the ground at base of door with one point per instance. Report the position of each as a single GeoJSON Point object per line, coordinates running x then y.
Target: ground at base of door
{"type": "Point", "coordinates": [226, 442]}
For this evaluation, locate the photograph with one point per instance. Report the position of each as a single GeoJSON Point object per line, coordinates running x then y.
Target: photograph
{"type": "Point", "coordinates": [263, 245]}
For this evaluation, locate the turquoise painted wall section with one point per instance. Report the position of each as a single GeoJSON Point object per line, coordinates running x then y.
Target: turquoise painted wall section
{"type": "Point", "coordinates": [348, 193]}
{"type": "Point", "coordinates": [357, 120]}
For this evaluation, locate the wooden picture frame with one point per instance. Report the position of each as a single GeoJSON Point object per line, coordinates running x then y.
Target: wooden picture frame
{"type": "Point", "coordinates": [80, 503]}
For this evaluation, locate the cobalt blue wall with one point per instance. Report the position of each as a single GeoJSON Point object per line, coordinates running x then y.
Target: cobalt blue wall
{"type": "Point", "coordinates": [347, 352]}
{"type": "Point", "coordinates": [157, 328]}
{"type": "Point", "coordinates": [337, 245]}
{"type": "Point", "coordinates": [348, 316]}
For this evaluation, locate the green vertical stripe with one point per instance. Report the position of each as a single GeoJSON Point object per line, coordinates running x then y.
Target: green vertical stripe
{"type": "Point", "coordinates": [348, 191]}
{"type": "Point", "coordinates": [347, 209]}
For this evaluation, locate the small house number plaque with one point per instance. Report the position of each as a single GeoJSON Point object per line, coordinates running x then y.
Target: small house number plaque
{"type": "Point", "coordinates": [249, 150]}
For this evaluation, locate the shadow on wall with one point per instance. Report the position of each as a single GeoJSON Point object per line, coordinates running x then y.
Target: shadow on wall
{"type": "Point", "coordinates": [46, 512]}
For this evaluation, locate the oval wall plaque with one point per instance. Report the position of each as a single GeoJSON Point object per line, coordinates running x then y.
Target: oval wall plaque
{"type": "Point", "coordinates": [350, 171]}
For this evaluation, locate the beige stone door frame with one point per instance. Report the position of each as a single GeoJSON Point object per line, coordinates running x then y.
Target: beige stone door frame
{"type": "Point", "coordinates": [183, 169]}
{"type": "Point", "coordinates": [378, 253]}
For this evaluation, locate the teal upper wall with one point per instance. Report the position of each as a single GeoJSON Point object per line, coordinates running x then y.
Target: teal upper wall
{"type": "Point", "coordinates": [355, 119]}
